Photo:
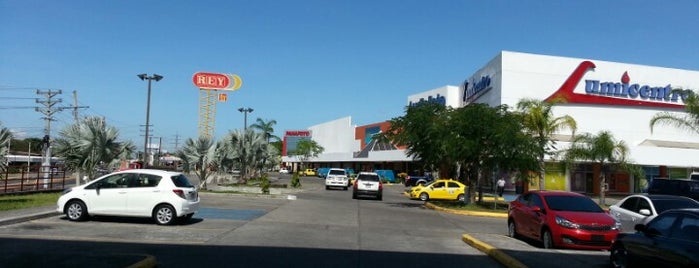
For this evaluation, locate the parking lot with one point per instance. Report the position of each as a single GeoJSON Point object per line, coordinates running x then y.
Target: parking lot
{"type": "Point", "coordinates": [318, 227]}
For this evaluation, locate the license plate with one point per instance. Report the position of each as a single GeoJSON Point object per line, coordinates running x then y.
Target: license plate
{"type": "Point", "coordinates": [597, 238]}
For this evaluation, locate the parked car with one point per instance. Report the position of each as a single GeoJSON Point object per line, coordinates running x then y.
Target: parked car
{"type": "Point", "coordinates": [683, 187]}
{"type": "Point", "coordinates": [337, 177]}
{"type": "Point", "coordinates": [413, 180]}
{"type": "Point", "coordinates": [440, 189]}
{"type": "Point", "coordinates": [367, 184]}
{"type": "Point", "coordinates": [163, 195]}
{"type": "Point", "coordinates": [669, 240]}
{"type": "Point", "coordinates": [322, 172]}
{"type": "Point", "coordinates": [283, 170]}
{"type": "Point", "coordinates": [308, 172]}
{"type": "Point", "coordinates": [561, 219]}
{"type": "Point", "coordinates": [641, 208]}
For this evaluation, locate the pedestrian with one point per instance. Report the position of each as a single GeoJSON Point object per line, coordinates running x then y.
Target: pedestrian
{"type": "Point", "coordinates": [501, 186]}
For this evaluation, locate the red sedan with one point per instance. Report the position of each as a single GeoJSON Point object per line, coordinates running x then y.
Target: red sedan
{"type": "Point", "coordinates": [561, 219]}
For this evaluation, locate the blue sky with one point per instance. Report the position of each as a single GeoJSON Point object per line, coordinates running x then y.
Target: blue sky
{"type": "Point", "coordinates": [302, 62]}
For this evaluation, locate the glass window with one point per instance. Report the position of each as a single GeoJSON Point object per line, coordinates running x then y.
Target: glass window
{"type": "Point", "coordinates": [665, 204]}
{"type": "Point", "coordinates": [662, 225]}
{"type": "Point", "coordinates": [438, 184]}
{"type": "Point", "coordinates": [453, 185]}
{"type": "Point", "coordinates": [147, 180]}
{"type": "Point", "coordinates": [536, 201]}
{"type": "Point", "coordinates": [688, 229]}
{"type": "Point", "coordinates": [572, 203]}
{"type": "Point", "coordinates": [337, 172]}
{"type": "Point", "coordinates": [630, 204]}
{"type": "Point", "coordinates": [368, 177]}
{"type": "Point", "coordinates": [181, 181]}
{"type": "Point", "coordinates": [113, 181]}
{"type": "Point", "coordinates": [643, 204]}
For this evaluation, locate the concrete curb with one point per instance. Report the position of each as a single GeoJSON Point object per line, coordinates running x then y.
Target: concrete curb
{"type": "Point", "coordinates": [148, 262]}
{"type": "Point", "coordinates": [466, 212]}
{"type": "Point", "coordinates": [28, 217]}
{"type": "Point", "coordinates": [493, 252]}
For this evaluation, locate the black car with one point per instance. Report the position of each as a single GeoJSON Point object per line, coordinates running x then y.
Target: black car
{"type": "Point", "coordinates": [669, 240]}
{"type": "Point", "coordinates": [683, 187]}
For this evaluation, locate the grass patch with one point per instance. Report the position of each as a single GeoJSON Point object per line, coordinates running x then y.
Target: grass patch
{"type": "Point", "coordinates": [485, 206]}
{"type": "Point", "coordinates": [19, 201]}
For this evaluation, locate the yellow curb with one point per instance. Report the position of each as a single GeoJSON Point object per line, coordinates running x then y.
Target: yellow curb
{"type": "Point", "coordinates": [148, 262]}
{"type": "Point", "coordinates": [493, 252]}
{"type": "Point", "coordinates": [467, 212]}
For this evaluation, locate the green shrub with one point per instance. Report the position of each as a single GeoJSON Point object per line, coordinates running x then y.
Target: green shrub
{"type": "Point", "coordinates": [264, 184]}
{"type": "Point", "coordinates": [295, 181]}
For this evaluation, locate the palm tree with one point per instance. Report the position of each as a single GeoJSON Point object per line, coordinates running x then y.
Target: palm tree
{"type": "Point", "coordinates": [5, 139]}
{"type": "Point", "coordinates": [688, 121]}
{"type": "Point", "coordinates": [540, 122]}
{"type": "Point", "coordinates": [91, 143]}
{"type": "Point", "coordinates": [611, 155]}
{"type": "Point", "coordinates": [199, 155]}
{"type": "Point", "coordinates": [267, 128]}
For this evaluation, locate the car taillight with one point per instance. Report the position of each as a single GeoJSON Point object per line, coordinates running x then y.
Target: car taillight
{"type": "Point", "coordinates": [380, 186]}
{"type": "Point", "coordinates": [355, 185]}
{"type": "Point", "coordinates": [179, 193]}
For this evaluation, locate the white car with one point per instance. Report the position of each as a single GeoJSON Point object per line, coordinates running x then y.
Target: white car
{"type": "Point", "coordinates": [367, 184]}
{"type": "Point", "coordinates": [641, 208]}
{"type": "Point", "coordinates": [163, 195]}
{"type": "Point", "coordinates": [283, 171]}
{"type": "Point", "coordinates": [336, 177]}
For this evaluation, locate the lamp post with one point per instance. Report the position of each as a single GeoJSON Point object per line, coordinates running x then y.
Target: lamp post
{"type": "Point", "coordinates": [245, 111]}
{"type": "Point", "coordinates": [145, 140]}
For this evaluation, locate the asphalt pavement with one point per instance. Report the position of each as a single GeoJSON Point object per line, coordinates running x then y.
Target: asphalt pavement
{"type": "Point", "coordinates": [512, 253]}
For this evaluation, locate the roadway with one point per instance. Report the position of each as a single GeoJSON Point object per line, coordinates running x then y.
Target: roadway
{"type": "Point", "coordinates": [316, 227]}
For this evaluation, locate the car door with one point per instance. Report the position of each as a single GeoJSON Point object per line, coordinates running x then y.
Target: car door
{"type": "Point", "coordinates": [438, 190]}
{"type": "Point", "coordinates": [646, 247]}
{"type": "Point", "coordinates": [143, 194]}
{"type": "Point", "coordinates": [108, 195]}
{"type": "Point", "coordinates": [534, 218]}
{"type": "Point", "coordinates": [452, 190]}
{"type": "Point", "coordinates": [625, 212]}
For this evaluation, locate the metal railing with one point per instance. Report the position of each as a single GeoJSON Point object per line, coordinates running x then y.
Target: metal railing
{"type": "Point", "coordinates": [32, 181]}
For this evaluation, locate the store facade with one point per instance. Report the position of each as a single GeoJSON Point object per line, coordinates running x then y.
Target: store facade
{"type": "Point", "coordinates": [601, 95]}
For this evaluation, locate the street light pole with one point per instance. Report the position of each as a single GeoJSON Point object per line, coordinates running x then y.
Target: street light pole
{"type": "Point", "coordinates": [145, 140]}
{"type": "Point", "coordinates": [245, 111]}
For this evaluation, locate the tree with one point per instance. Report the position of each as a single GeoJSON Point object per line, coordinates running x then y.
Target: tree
{"type": "Point", "coordinates": [540, 122]}
{"type": "Point", "coordinates": [198, 155]}
{"type": "Point", "coordinates": [490, 139]}
{"type": "Point", "coordinates": [90, 144]}
{"type": "Point", "coordinates": [306, 149]}
{"type": "Point", "coordinates": [604, 150]}
{"type": "Point", "coordinates": [267, 128]}
{"type": "Point", "coordinates": [688, 121]}
{"type": "Point", "coordinates": [424, 132]}
{"type": "Point", "coordinates": [5, 140]}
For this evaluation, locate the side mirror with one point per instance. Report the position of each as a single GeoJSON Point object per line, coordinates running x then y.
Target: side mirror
{"type": "Point", "coordinates": [538, 209]}
{"type": "Point", "coordinates": [644, 212]}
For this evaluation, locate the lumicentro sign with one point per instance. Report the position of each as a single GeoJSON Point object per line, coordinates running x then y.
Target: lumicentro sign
{"type": "Point", "coordinates": [617, 93]}
{"type": "Point", "coordinates": [439, 99]}
{"type": "Point", "coordinates": [477, 88]}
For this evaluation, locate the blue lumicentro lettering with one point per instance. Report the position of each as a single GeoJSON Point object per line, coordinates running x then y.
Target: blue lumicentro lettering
{"type": "Point", "coordinates": [634, 91]}
{"type": "Point", "coordinates": [476, 88]}
{"type": "Point", "coordinates": [438, 99]}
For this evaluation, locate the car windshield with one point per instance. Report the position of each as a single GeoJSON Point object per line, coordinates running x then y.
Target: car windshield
{"type": "Point", "coordinates": [665, 204]}
{"type": "Point", "coordinates": [572, 203]}
{"type": "Point", "coordinates": [181, 181]}
{"type": "Point", "coordinates": [337, 172]}
{"type": "Point", "coordinates": [368, 177]}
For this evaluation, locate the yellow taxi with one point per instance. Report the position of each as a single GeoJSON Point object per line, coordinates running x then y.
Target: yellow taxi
{"type": "Point", "coordinates": [442, 189]}
{"type": "Point", "coordinates": [308, 172]}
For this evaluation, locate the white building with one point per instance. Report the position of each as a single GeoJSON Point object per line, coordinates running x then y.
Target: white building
{"type": "Point", "coordinates": [601, 95]}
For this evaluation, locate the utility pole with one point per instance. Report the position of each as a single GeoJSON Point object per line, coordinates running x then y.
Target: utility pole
{"type": "Point", "coordinates": [177, 141]}
{"type": "Point", "coordinates": [48, 110]}
{"type": "Point", "coordinates": [75, 106]}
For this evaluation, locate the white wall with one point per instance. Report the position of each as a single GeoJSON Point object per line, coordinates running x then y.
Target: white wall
{"type": "Point", "coordinates": [336, 136]}
{"type": "Point", "coordinates": [448, 94]}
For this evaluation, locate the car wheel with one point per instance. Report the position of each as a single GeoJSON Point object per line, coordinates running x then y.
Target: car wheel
{"type": "Point", "coordinates": [424, 196]}
{"type": "Point", "coordinates": [618, 256]}
{"type": "Point", "coordinates": [511, 229]}
{"type": "Point", "coordinates": [354, 195]}
{"type": "Point", "coordinates": [76, 210]}
{"type": "Point", "coordinates": [327, 187]}
{"type": "Point", "coordinates": [164, 214]}
{"type": "Point", "coordinates": [344, 188]}
{"type": "Point", "coordinates": [379, 197]}
{"type": "Point", "coordinates": [461, 198]}
{"type": "Point", "coordinates": [547, 239]}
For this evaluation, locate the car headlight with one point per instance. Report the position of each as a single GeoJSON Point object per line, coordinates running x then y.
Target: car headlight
{"type": "Point", "coordinates": [617, 225]}
{"type": "Point", "coordinates": [566, 223]}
